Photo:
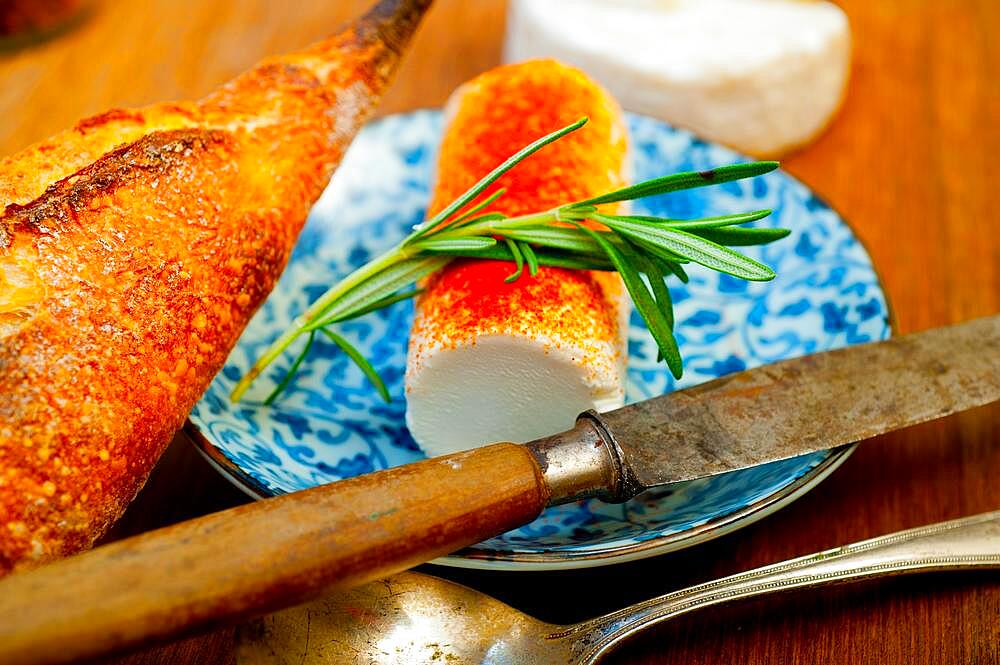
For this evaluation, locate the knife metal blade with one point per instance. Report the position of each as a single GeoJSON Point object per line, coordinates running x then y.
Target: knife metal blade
{"type": "Point", "coordinates": [786, 409]}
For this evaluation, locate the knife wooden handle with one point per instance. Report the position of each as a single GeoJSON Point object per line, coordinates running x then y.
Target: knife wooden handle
{"type": "Point", "coordinates": [265, 555]}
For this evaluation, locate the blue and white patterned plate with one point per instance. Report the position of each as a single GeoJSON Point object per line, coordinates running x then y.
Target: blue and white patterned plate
{"type": "Point", "coordinates": [331, 424]}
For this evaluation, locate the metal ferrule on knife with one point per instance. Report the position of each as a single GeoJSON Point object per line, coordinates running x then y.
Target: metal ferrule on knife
{"type": "Point", "coordinates": [584, 462]}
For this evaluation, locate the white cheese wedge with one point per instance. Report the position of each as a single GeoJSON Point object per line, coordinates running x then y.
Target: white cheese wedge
{"type": "Point", "coordinates": [763, 76]}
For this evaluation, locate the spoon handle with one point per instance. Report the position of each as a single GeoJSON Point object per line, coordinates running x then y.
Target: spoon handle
{"type": "Point", "coordinates": [963, 544]}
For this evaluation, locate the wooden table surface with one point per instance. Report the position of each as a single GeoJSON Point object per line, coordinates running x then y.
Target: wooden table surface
{"type": "Point", "coordinates": [909, 161]}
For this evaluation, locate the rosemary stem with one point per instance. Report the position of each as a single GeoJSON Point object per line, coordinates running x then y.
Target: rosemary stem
{"type": "Point", "coordinates": [630, 245]}
{"type": "Point", "coordinates": [498, 226]}
{"type": "Point", "coordinates": [299, 325]}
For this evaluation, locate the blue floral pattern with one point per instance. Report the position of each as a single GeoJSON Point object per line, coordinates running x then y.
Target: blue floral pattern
{"type": "Point", "coordinates": [331, 424]}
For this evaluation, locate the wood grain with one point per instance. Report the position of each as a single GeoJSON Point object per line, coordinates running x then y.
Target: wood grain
{"type": "Point", "coordinates": [256, 557]}
{"type": "Point", "coordinates": [907, 161]}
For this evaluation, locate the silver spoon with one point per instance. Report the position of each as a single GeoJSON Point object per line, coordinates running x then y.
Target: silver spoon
{"type": "Point", "coordinates": [413, 618]}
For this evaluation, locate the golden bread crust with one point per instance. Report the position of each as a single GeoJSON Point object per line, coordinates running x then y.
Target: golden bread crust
{"type": "Point", "coordinates": [133, 250]}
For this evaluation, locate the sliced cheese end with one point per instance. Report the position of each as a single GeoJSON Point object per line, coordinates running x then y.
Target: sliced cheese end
{"type": "Point", "coordinates": [502, 388]}
{"type": "Point", "coordinates": [490, 361]}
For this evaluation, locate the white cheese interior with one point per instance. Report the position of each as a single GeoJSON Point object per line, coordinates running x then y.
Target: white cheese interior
{"type": "Point", "coordinates": [464, 397]}
{"type": "Point", "coordinates": [763, 76]}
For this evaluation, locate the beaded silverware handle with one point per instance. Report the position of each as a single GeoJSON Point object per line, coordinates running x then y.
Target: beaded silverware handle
{"type": "Point", "coordinates": [968, 543]}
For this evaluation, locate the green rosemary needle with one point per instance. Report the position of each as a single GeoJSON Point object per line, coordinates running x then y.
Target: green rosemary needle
{"type": "Point", "coordinates": [642, 249]}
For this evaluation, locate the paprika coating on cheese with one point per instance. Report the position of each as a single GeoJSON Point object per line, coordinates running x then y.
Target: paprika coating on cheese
{"type": "Point", "coordinates": [582, 313]}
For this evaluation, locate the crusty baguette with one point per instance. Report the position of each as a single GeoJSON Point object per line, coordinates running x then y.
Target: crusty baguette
{"type": "Point", "coordinates": [133, 250]}
{"type": "Point", "coordinates": [574, 320]}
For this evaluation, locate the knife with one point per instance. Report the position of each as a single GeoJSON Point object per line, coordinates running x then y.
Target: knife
{"type": "Point", "coordinates": [281, 551]}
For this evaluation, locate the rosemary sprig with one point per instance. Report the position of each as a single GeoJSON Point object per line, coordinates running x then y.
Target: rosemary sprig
{"type": "Point", "coordinates": [642, 249]}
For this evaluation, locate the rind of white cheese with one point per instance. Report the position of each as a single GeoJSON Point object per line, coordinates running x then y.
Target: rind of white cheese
{"type": "Point", "coordinates": [763, 76]}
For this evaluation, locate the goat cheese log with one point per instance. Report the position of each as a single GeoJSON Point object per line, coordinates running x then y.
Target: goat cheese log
{"type": "Point", "coordinates": [133, 250]}
{"type": "Point", "coordinates": [491, 361]}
